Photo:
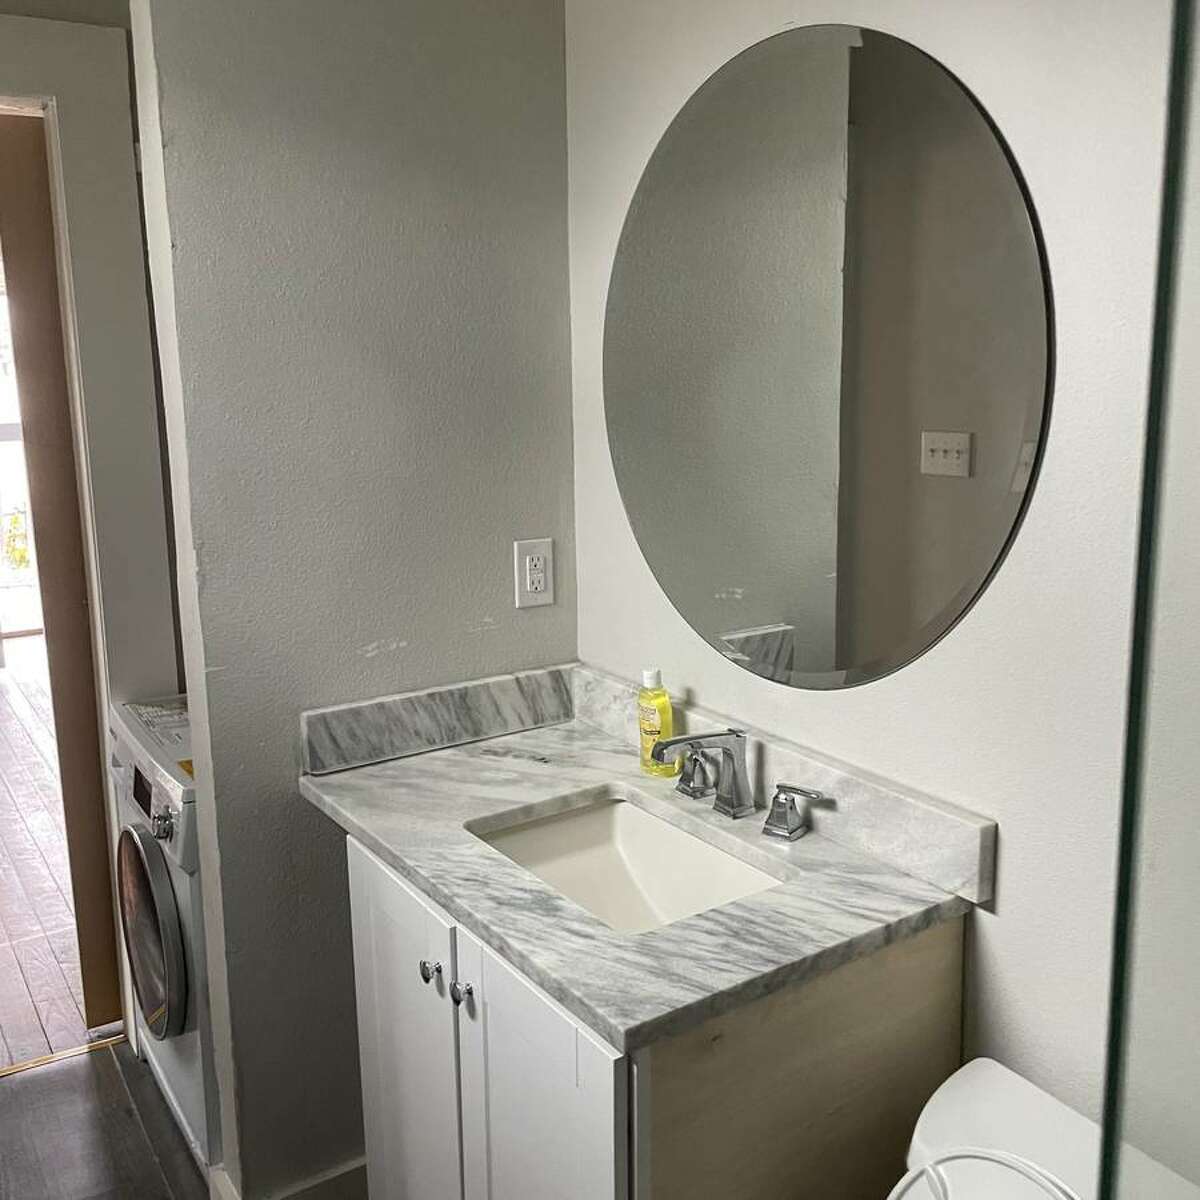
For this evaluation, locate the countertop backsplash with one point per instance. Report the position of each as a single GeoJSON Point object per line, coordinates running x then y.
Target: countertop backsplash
{"type": "Point", "coordinates": [933, 840]}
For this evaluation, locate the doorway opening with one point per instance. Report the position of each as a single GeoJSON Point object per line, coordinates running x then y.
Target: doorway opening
{"type": "Point", "coordinates": [41, 987]}
{"type": "Point", "coordinates": [58, 972]}
{"type": "Point", "coordinates": [41, 1010]}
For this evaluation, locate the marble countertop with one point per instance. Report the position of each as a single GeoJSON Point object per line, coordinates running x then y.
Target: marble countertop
{"type": "Point", "coordinates": [833, 903]}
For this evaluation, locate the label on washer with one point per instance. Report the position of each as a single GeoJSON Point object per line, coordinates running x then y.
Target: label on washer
{"type": "Point", "coordinates": [167, 723]}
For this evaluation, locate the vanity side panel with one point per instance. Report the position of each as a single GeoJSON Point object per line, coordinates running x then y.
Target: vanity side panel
{"type": "Point", "coordinates": [808, 1093]}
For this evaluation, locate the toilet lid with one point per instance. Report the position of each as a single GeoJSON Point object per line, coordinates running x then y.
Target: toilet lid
{"type": "Point", "coordinates": [987, 1105]}
{"type": "Point", "coordinates": [979, 1181]}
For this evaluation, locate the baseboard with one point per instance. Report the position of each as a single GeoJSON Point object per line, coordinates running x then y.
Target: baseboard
{"type": "Point", "coordinates": [347, 1182]}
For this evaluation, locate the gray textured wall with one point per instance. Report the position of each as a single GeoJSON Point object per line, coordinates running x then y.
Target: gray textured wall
{"type": "Point", "coordinates": [367, 247]}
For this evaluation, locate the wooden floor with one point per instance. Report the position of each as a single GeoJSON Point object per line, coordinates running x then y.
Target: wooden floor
{"type": "Point", "coordinates": [41, 993]}
{"type": "Point", "coordinates": [92, 1127]}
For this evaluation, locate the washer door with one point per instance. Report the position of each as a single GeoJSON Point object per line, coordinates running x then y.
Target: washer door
{"type": "Point", "coordinates": [150, 925]}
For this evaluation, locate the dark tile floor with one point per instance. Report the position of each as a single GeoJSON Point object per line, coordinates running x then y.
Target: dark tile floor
{"type": "Point", "coordinates": [92, 1127]}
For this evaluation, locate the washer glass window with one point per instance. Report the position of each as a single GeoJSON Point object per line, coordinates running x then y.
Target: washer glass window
{"type": "Point", "coordinates": [153, 939]}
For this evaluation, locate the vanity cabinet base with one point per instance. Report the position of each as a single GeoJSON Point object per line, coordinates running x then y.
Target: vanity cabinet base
{"type": "Point", "coordinates": [476, 1084]}
{"type": "Point", "coordinates": [809, 1093]}
{"type": "Point", "coordinates": [479, 1086]}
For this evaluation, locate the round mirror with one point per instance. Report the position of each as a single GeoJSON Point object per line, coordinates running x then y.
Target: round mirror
{"type": "Point", "coordinates": [827, 356]}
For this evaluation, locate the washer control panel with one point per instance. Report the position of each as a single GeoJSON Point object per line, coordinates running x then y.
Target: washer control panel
{"type": "Point", "coordinates": [171, 820]}
{"type": "Point", "coordinates": [174, 825]}
{"type": "Point", "coordinates": [151, 768]}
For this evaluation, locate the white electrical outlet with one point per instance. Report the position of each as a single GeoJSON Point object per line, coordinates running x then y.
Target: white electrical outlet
{"type": "Point", "coordinates": [946, 454]}
{"type": "Point", "coordinates": [533, 572]}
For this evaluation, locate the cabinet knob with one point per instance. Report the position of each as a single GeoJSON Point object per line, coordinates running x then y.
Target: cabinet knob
{"type": "Point", "coordinates": [430, 969]}
{"type": "Point", "coordinates": [460, 991]}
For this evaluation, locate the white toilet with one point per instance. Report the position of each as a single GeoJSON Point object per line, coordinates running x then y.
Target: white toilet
{"type": "Point", "coordinates": [986, 1107]}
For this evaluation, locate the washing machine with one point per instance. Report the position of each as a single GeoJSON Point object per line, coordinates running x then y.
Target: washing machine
{"type": "Point", "coordinates": [162, 916]}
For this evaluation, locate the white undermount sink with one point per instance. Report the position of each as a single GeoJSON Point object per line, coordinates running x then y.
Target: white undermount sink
{"type": "Point", "coordinates": [633, 870]}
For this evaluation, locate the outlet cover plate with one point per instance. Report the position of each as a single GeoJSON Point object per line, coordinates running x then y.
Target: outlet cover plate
{"type": "Point", "coordinates": [533, 572]}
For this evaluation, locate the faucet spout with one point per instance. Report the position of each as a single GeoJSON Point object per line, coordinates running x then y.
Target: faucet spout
{"type": "Point", "coordinates": [672, 748]}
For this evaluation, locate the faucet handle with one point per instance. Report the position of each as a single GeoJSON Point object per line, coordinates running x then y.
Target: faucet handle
{"type": "Point", "coordinates": [698, 780]}
{"type": "Point", "coordinates": [785, 819]}
{"type": "Point", "coordinates": [791, 789]}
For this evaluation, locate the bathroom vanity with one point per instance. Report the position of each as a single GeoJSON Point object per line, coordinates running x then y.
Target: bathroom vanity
{"type": "Point", "coordinates": [827, 338]}
{"type": "Point", "coordinates": [573, 982]}
{"type": "Point", "coordinates": [467, 1065]}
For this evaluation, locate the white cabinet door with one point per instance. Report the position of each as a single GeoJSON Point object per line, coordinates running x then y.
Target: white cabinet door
{"type": "Point", "coordinates": [407, 1035]}
{"type": "Point", "coordinates": [543, 1099]}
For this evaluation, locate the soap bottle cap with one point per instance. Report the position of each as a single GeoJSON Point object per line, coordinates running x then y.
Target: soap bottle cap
{"type": "Point", "coordinates": [652, 679]}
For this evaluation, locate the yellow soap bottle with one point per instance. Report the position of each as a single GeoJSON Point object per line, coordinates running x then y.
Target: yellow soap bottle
{"type": "Point", "coordinates": [655, 722]}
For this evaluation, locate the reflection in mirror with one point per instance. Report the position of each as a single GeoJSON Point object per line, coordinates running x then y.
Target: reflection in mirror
{"type": "Point", "coordinates": [827, 356]}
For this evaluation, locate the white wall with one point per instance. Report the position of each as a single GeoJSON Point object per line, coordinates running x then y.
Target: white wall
{"type": "Point", "coordinates": [1162, 1079]}
{"type": "Point", "coordinates": [358, 237]}
{"type": "Point", "coordinates": [1019, 713]}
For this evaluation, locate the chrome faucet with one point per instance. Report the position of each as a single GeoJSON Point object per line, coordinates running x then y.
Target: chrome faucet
{"type": "Point", "coordinates": [733, 795]}
{"type": "Point", "coordinates": [787, 820]}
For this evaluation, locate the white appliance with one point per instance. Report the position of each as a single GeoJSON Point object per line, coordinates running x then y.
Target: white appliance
{"type": "Point", "coordinates": [1001, 1138]}
{"type": "Point", "coordinates": [162, 918]}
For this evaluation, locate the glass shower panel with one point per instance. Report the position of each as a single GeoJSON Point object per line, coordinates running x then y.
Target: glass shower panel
{"type": "Point", "coordinates": [1155, 1113]}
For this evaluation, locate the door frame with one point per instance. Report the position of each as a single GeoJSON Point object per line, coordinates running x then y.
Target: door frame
{"type": "Point", "coordinates": [76, 78]}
